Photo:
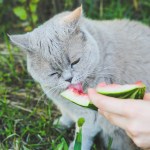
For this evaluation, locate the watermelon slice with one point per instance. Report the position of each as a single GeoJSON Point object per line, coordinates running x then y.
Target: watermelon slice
{"type": "Point", "coordinates": [132, 91]}
{"type": "Point", "coordinates": [76, 94]}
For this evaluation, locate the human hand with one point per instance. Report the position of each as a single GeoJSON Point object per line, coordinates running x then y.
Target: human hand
{"type": "Point", "coordinates": [131, 115]}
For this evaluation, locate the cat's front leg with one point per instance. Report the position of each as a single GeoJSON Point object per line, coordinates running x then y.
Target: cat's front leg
{"type": "Point", "coordinates": [64, 122]}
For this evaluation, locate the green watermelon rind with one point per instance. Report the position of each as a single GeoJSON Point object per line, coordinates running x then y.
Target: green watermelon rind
{"type": "Point", "coordinates": [87, 103]}
{"type": "Point", "coordinates": [135, 93]}
{"type": "Point", "coordinates": [128, 94]}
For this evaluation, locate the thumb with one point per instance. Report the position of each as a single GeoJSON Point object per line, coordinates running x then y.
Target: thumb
{"type": "Point", "coordinates": [106, 103]}
{"type": "Point", "coordinates": [93, 96]}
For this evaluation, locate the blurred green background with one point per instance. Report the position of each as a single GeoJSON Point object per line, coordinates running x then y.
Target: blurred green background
{"type": "Point", "coordinates": [26, 14]}
{"type": "Point", "coordinates": [26, 116]}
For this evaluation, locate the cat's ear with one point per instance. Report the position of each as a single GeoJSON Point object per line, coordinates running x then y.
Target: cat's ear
{"type": "Point", "coordinates": [21, 40]}
{"type": "Point", "coordinates": [73, 18]}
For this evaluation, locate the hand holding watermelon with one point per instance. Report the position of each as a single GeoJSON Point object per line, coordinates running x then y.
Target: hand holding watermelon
{"type": "Point", "coordinates": [132, 116]}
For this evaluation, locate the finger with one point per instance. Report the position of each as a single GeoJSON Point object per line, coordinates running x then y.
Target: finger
{"type": "Point", "coordinates": [147, 96]}
{"type": "Point", "coordinates": [117, 120]}
{"type": "Point", "coordinates": [142, 141]}
{"type": "Point", "coordinates": [107, 103]}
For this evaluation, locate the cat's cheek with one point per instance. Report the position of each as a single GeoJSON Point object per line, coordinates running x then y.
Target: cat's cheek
{"type": "Point", "coordinates": [62, 84]}
{"type": "Point", "coordinates": [77, 80]}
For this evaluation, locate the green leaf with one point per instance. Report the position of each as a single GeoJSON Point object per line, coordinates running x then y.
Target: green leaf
{"type": "Point", "coordinates": [22, 1]}
{"type": "Point", "coordinates": [65, 144]}
{"type": "Point", "coordinates": [34, 1]}
{"type": "Point", "coordinates": [60, 146]}
{"type": "Point", "coordinates": [81, 122]}
{"type": "Point", "coordinates": [110, 143]}
{"type": "Point", "coordinates": [1, 1]}
{"type": "Point", "coordinates": [33, 7]}
{"type": "Point", "coordinates": [25, 148]}
{"type": "Point", "coordinates": [20, 12]}
{"type": "Point", "coordinates": [34, 18]}
{"type": "Point", "coordinates": [78, 140]}
{"type": "Point", "coordinates": [28, 28]}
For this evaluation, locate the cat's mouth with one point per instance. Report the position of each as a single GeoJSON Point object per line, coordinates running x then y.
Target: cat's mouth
{"type": "Point", "coordinates": [77, 86]}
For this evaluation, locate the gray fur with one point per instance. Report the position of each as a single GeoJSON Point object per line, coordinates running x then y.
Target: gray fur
{"type": "Point", "coordinates": [111, 51]}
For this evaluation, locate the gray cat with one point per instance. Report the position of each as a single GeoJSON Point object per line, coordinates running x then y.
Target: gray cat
{"type": "Point", "coordinates": [70, 49]}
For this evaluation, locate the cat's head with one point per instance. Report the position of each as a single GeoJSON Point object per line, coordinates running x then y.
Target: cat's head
{"type": "Point", "coordinates": [61, 51]}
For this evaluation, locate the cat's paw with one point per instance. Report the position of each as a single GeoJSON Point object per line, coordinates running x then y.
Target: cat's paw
{"type": "Point", "coordinates": [62, 124]}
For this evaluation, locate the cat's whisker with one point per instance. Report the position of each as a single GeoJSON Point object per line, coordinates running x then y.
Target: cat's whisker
{"type": "Point", "coordinates": [55, 88]}
{"type": "Point", "coordinates": [48, 91]}
{"type": "Point", "coordinates": [85, 83]}
{"type": "Point", "coordinates": [53, 91]}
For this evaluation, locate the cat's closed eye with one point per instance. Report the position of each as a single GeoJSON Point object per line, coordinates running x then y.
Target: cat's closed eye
{"type": "Point", "coordinates": [75, 62]}
{"type": "Point", "coordinates": [54, 73]}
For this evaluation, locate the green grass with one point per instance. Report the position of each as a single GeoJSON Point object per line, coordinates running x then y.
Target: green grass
{"type": "Point", "coordinates": [26, 115]}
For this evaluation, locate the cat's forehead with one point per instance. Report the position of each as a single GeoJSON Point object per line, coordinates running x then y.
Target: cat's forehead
{"type": "Point", "coordinates": [47, 39]}
{"type": "Point", "coordinates": [54, 43]}
{"type": "Point", "coordinates": [52, 26]}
